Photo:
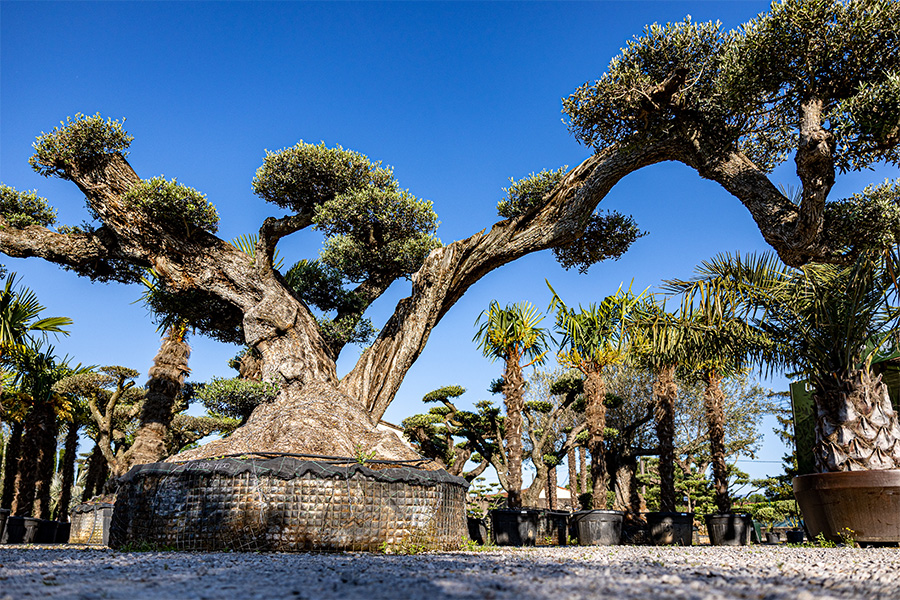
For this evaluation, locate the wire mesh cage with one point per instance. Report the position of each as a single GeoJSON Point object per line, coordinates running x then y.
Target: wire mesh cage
{"type": "Point", "coordinates": [288, 503]}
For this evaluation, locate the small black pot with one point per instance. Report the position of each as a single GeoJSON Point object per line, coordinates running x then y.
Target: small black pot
{"type": "Point", "coordinates": [15, 530]}
{"type": "Point", "coordinates": [46, 533]}
{"type": "Point", "coordinates": [32, 526]}
{"type": "Point", "coordinates": [62, 532]}
{"type": "Point", "coordinates": [670, 528]}
{"type": "Point", "coordinates": [729, 529]}
{"type": "Point", "coordinates": [478, 531]}
{"type": "Point", "coordinates": [514, 527]}
{"type": "Point", "coordinates": [795, 536]}
{"type": "Point", "coordinates": [4, 514]}
{"type": "Point", "coordinates": [598, 527]}
{"type": "Point", "coordinates": [772, 538]}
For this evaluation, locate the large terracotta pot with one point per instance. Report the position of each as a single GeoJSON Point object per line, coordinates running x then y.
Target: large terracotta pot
{"type": "Point", "coordinates": [864, 505]}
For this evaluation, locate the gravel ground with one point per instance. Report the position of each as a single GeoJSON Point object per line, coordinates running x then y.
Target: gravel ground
{"type": "Point", "coordinates": [758, 572]}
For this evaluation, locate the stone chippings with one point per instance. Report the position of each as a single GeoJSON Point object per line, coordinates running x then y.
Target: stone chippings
{"type": "Point", "coordinates": [702, 573]}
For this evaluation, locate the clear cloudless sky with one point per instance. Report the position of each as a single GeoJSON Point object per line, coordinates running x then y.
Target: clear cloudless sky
{"type": "Point", "coordinates": [457, 97]}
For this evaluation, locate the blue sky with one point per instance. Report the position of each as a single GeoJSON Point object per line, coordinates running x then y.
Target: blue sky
{"type": "Point", "coordinates": [457, 97]}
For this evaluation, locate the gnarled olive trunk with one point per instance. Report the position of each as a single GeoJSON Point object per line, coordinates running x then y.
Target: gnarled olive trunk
{"type": "Point", "coordinates": [595, 417]}
{"type": "Point", "coordinates": [715, 420]}
{"type": "Point", "coordinates": [97, 474]}
{"type": "Point", "coordinates": [856, 426]}
{"type": "Point", "coordinates": [666, 392]}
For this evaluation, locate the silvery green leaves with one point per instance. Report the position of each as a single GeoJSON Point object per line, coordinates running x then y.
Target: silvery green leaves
{"type": "Point", "coordinates": [177, 206]}
{"type": "Point", "coordinates": [235, 398]}
{"type": "Point", "coordinates": [870, 219]}
{"type": "Point", "coordinates": [21, 209]}
{"type": "Point", "coordinates": [78, 142]}
{"type": "Point", "coordinates": [526, 193]}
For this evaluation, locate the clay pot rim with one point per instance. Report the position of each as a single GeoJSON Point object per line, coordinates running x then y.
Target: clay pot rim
{"type": "Point", "coordinates": [848, 479]}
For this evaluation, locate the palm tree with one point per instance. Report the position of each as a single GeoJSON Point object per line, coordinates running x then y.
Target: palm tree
{"type": "Point", "coordinates": [658, 345]}
{"type": "Point", "coordinates": [592, 339]}
{"type": "Point", "coordinates": [512, 334]}
{"type": "Point", "coordinates": [721, 343]}
{"type": "Point", "coordinates": [830, 322]}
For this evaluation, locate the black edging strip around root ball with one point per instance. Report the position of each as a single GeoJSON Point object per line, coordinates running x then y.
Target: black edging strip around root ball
{"type": "Point", "coordinates": [290, 467]}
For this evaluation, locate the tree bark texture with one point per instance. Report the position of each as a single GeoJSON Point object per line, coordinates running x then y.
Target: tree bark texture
{"type": "Point", "coordinates": [28, 464]}
{"type": "Point", "coordinates": [170, 366]}
{"type": "Point", "coordinates": [715, 421]}
{"type": "Point", "coordinates": [70, 453]}
{"type": "Point", "coordinates": [666, 392]}
{"type": "Point", "coordinates": [571, 463]}
{"type": "Point", "coordinates": [11, 463]}
{"type": "Point", "coordinates": [856, 425]}
{"type": "Point", "coordinates": [284, 331]}
{"type": "Point", "coordinates": [583, 473]}
{"type": "Point", "coordinates": [514, 396]}
{"type": "Point", "coordinates": [552, 502]}
{"type": "Point", "coordinates": [97, 474]}
{"type": "Point", "coordinates": [595, 417]}
{"type": "Point", "coordinates": [49, 432]}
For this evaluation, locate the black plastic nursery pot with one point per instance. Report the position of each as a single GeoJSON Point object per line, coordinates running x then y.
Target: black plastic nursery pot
{"type": "Point", "coordinates": [15, 530]}
{"type": "Point", "coordinates": [553, 527]}
{"type": "Point", "coordinates": [670, 528]}
{"type": "Point", "coordinates": [478, 531]}
{"type": "Point", "coordinates": [795, 536]}
{"type": "Point", "coordinates": [729, 529]}
{"type": "Point", "coordinates": [598, 527]}
{"type": "Point", "coordinates": [772, 538]}
{"type": "Point", "coordinates": [515, 527]}
{"type": "Point", "coordinates": [46, 532]}
{"type": "Point", "coordinates": [62, 532]}
{"type": "Point", "coordinates": [4, 514]}
{"type": "Point", "coordinates": [32, 527]}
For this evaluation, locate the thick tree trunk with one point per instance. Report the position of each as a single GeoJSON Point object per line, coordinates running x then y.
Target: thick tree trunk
{"type": "Point", "coordinates": [627, 496]}
{"type": "Point", "coordinates": [583, 475]}
{"type": "Point", "coordinates": [856, 426]}
{"type": "Point", "coordinates": [11, 463]}
{"type": "Point", "coordinates": [27, 468]}
{"type": "Point", "coordinates": [595, 416]}
{"type": "Point", "coordinates": [514, 396]}
{"type": "Point", "coordinates": [571, 463]}
{"type": "Point", "coordinates": [666, 392]}
{"type": "Point", "coordinates": [170, 366]}
{"type": "Point", "coordinates": [49, 432]}
{"type": "Point", "coordinates": [70, 453]}
{"type": "Point", "coordinates": [715, 421]}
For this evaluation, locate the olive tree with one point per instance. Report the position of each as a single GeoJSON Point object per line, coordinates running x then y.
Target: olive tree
{"type": "Point", "coordinates": [814, 78]}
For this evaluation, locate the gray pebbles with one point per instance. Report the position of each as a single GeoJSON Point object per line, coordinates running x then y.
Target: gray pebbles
{"type": "Point", "coordinates": [702, 573]}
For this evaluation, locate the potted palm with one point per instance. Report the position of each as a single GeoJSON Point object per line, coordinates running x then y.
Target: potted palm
{"type": "Point", "coordinates": [831, 323]}
{"type": "Point", "coordinates": [592, 339]}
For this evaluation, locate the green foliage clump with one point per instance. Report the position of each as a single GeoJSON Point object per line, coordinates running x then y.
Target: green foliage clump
{"type": "Point", "coordinates": [528, 192]}
{"type": "Point", "coordinates": [376, 232]}
{"type": "Point", "coordinates": [870, 219]}
{"type": "Point", "coordinates": [608, 235]}
{"type": "Point", "coordinates": [21, 209]}
{"type": "Point", "coordinates": [182, 208]}
{"type": "Point", "coordinates": [235, 398]}
{"type": "Point", "coordinates": [81, 142]}
{"type": "Point", "coordinates": [444, 393]}
{"type": "Point", "coordinates": [307, 175]}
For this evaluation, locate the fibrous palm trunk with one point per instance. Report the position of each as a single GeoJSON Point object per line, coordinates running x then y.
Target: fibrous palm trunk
{"type": "Point", "coordinates": [27, 467]}
{"type": "Point", "coordinates": [595, 416]}
{"type": "Point", "coordinates": [166, 381]}
{"type": "Point", "coordinates": [573, 474]}
{"type": "Point", "coordinates": [46, 463]}
{"type": "Point", "coordinates": [856, 426]}
{"type": "Point", "coordinates": [10, 463]}
{"type": "Point", "coordinates": [715, 420]}
{"type": "Point", "coordinates": [583, 486]}
{"type": "Point", "coordinates": [70, 450]}
{"type": "Point", "coordinates": [97, 472]}
{"type": "Point", "coordinates": [552, 502]}
{"type": "Point", "coordinates": [666, 393]}
{"type": "Point", "coordinates": [514, 397]}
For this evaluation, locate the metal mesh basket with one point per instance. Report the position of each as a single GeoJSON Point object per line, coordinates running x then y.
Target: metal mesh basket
{"type": "Point", "coordinates": [288, 504]}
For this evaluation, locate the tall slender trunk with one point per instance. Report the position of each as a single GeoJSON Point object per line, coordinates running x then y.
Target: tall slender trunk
{"type": "Point", "coordinates": [715, 420]}
{"type": "Point", "coordinates": [49, 431]}
{"type": "Point", "coordinates": [552, 502]}
{"type": "Point", "coordinates": [11, 463]}
{"type": "Point", "coordinates": [595, 415]}
{"type": "Point", "coordinates": [170, 366]}
{"type": "Point", "coordinates": [70, 451]}
{"type": "Point", "coordinates": [583, 486]}
{"type": "Point", "coordinates": [514, 397]}
{"type": "Point", "coordinates": [856, 425]}
{"type": "Point", "coordinates": [97, 472]}
{"type": "Point", "coordinates": [666, 392]}
{"type": "Point", "coordinates": [573, 475]}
